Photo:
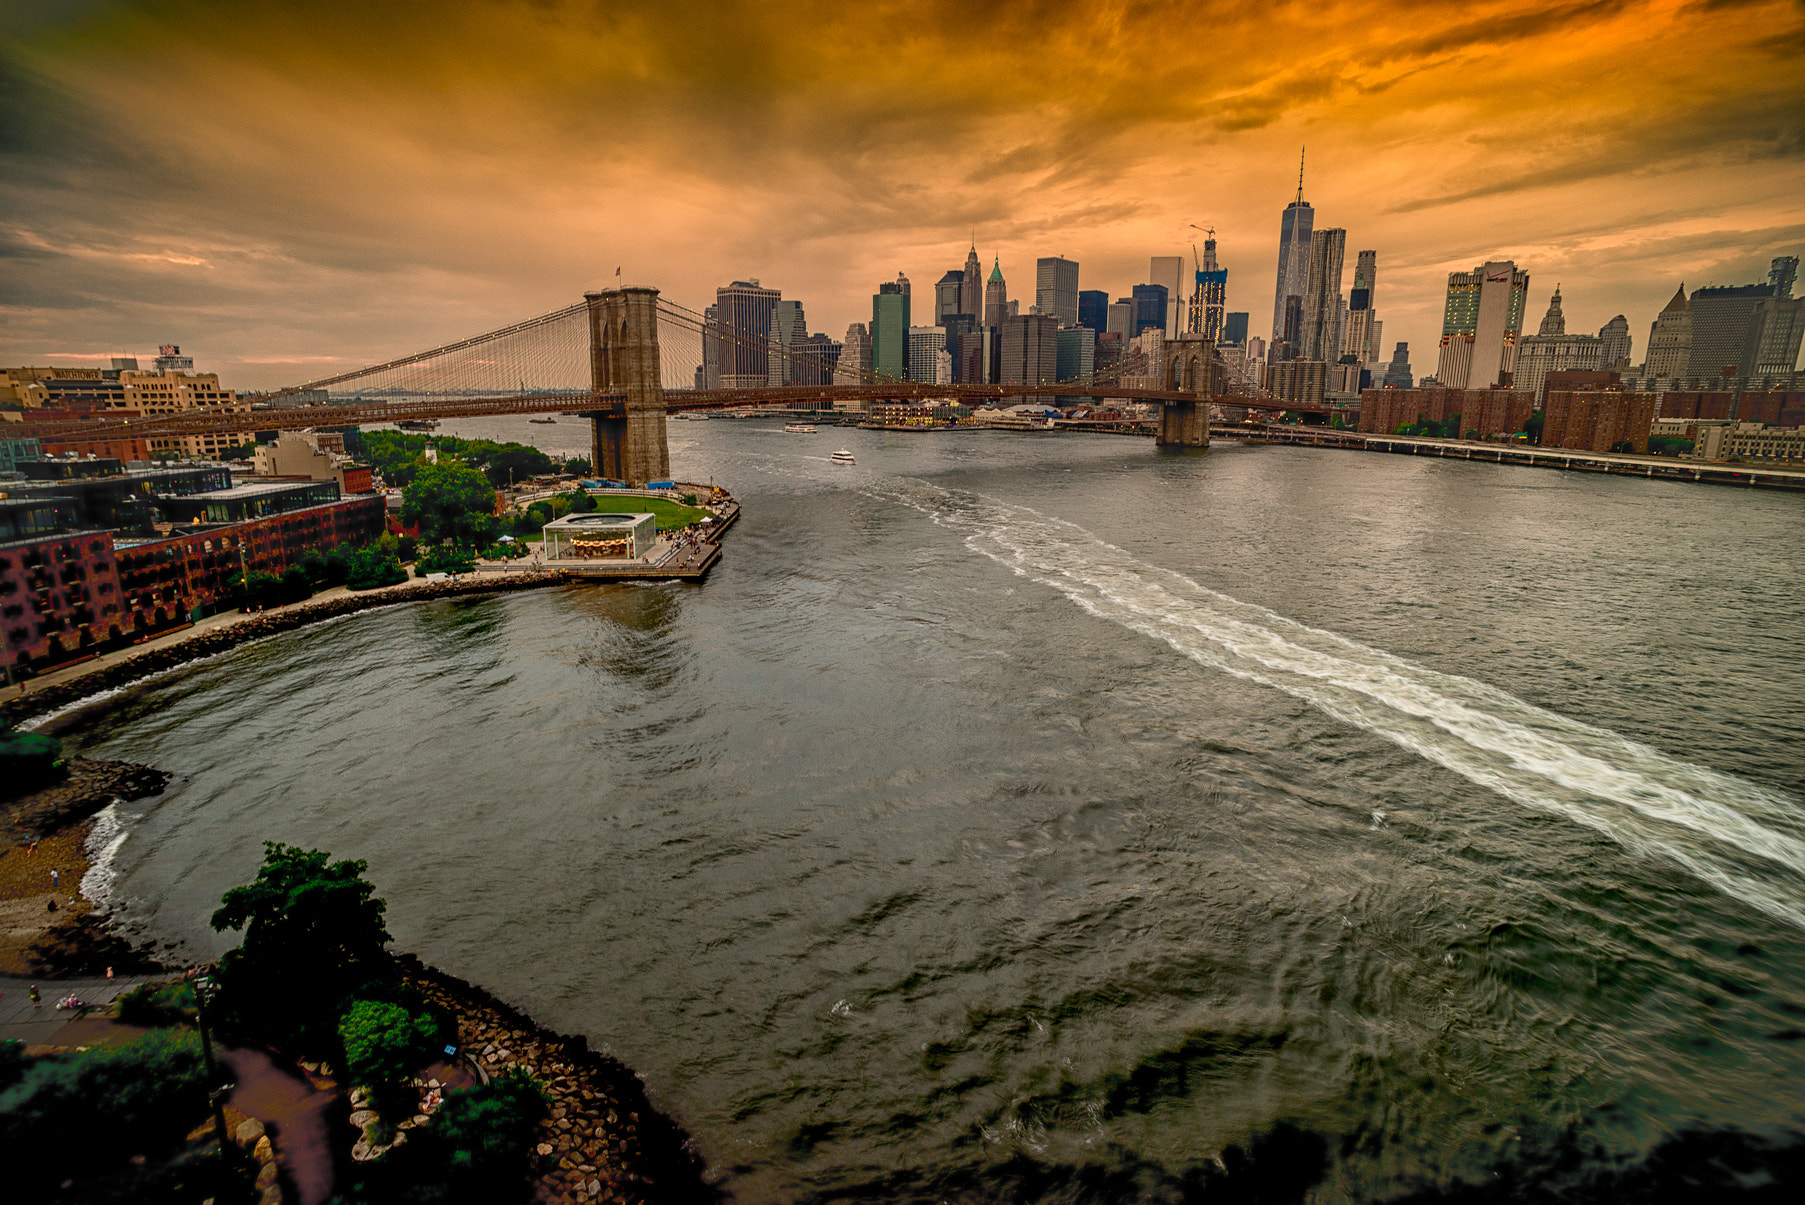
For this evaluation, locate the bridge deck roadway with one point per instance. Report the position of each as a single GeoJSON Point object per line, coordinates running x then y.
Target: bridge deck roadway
{"type": "Point", "coordinates": [588, 402]}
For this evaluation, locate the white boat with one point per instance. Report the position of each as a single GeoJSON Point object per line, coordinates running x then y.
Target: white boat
{"type": "Point", "coordinates": [799, 428]}
{"type": "Point", "coordinates": [842, 457]}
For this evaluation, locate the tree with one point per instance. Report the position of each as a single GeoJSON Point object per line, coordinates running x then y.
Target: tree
{"type": "Point", "coordinates": [509, 463]}
{"type": "Point", "coordinates": [578, 466]}
{"type": "Point", "coordinates": [477, 1149]}
{"type": "Point", "coordinates": [1533, 428]}
{"type": "Point", "coordinates": [313, 933]}
{"type": "Point", "coordinates": [28, 760]}
{"type": "Point", "coordinates": [385, 1043]}
{"type": "Point", "coordinates": [450, 501]}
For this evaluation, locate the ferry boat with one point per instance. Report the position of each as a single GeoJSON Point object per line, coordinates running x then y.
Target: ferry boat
{"type": "Point", "coordinates": [418, 424]}
{"type": "Point", "coordinates": [843, 456]}
{"type": "Point", "coordinates": [799, 428]}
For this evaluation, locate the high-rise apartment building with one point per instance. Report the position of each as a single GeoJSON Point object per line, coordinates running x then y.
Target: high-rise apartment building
{"type": "Point", "coordinates": [1364, 333]}
{"type": "Point", "coordinates": [971, 296]}
{"type": "Point", "coordinates": [1056, 288]}
{"type": "Point", "coordinates": [1670, 338]}
{"type": "Point", "coordinates": [1295, 227]}
{"type": "Point", "coordinates": [996, 296]}
{"type": "Point", "coordinates": [1397, 373]}
{"type": "Point", "coordinates": [1614, 345]}
{"type": "Point", "coordinates": [1149, 308]}
{"type": "Point", "coordinates": [743, 310]}
{"type": "Point", "coordinates": [890, 331]}
{"type": "Point", "coordinates": [1093, 310]}
{"type": "Point", "coordinates": [1168, 270]}
{"type": "Point", "coordinates": [788, 328]}
{"type": "Point", "coordinates": [1322, 294]}
{"type": "Point", "coordinates": [1030, 352]}
{"type": "Point", "coordinates": [927, 344]}
{"type": "Point", "coordinates": [1720, 326]}
{"type": "Point", "coordinates": [1481, 325]}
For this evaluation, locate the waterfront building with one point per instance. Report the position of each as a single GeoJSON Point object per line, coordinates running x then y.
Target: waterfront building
{"type": "Point", "coordinates": [1750, 441]}
{"type": "Point", "coordinates": [743, 310]}
{"type": "Point", "coordinates": [600, 536]}
{"type": "Point", "coordinates": [1776, 328]}
{"type": "Point", "coordinates": [317, 455]}
{"type": "Point", "coordinates": [1030, 350]}
{"type": "Point", "coordinates": [1782, 408]}
{"type": "Point", "coordinates": [996, 296]}
{"type": "Point", "coordinates": [890, 332]}
{"type": "Point", "coordinates": [926, 343]}
{"type": "Point", "coordinates": [1322, 295]}
{"type": "Point", "coordinates": [971, 293]}
{"type": "Point", "coordinates": [1295, 229]}
{"type": "Point", "coordinates": [1466, 413]}
{"type": "Point", "coordinates": [1598, 420]}
{"type": "Point", "coordinates": [1721, 318]}
{"type": "Point", "coordinates": [129, 392]}
{"type": "Point", "coordinates": [1093, 310]}
{"type": "Point", "coordinates": [1149, 308]}
{"type": "Point", "coordinates": [1166, 270]}
{"type": "Point", "coordinates": [1481, 324]}
{"type": "Point", "coordinates": [1056, 288]}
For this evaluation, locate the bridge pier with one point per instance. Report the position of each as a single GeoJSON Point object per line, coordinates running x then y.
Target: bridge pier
{"type": "Point", "coordinates": [628, 445]}
{"type": "Point", "coordinates": [1188, 364]}
{"type": "Point", "coordinates": [1184, 425]}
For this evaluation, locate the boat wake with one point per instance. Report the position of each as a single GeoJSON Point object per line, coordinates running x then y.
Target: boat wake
{"type": "Point", "coordinates": [1739, 836]}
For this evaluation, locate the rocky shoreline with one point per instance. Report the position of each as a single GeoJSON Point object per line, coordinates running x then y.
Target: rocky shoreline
{"type": "Point", "coordinates": [124, 669]}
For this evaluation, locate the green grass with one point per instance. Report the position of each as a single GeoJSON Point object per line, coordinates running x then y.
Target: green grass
{"type": "Point", "coordinates": [671, 515]}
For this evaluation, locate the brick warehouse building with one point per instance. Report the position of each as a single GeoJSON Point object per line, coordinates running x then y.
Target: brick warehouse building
{"type": "Point", "coordinates": [1774, 408]}
{"type": "Point", "coordinates": [63, 592]}
{"type": "Point", "coordinates": [1598, 421]}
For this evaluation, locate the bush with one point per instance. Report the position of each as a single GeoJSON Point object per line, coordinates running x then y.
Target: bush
{"type": "Point", "coordinates": [157, 1004]}
{"type": "Point", "coordinates": [439, 559]}
{"type": "Point", "coordinates": [386, 1043]}
{"type": "Point", "coordinates": [368, 568]}
{"type": "Point", "coordinates": [87, 1114]}
{"type": "Point", "coordinates": [478, 1149]}
{"type": "Point", "coordinates": [28, 760]}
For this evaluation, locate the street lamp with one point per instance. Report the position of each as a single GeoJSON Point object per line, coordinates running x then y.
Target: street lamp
{"type": "Point", "coordinates": [205, 991]}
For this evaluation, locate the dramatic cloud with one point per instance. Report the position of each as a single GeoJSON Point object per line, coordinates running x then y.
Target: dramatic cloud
{"type": "Point", "coordinates": [283, 186]}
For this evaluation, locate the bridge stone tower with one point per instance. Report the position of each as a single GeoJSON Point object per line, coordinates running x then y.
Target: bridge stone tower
{"type": "Point", "coordinates": [629, 443]}
{"type": "Point", "coordinates": [1188, 364]}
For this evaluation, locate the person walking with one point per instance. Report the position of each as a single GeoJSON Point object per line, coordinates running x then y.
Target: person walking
{"type": "Point", "coordinates": [56, 879]}
{"type": "Point", "coordinates": [37, 1001]}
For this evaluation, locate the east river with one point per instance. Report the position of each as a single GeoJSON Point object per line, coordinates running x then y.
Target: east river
{"type": "Point", "coordinates": [1042, 817]}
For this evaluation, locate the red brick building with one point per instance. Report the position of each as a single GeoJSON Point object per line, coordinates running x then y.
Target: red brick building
{"type": "Point", "coordinates": [1487, 412]}
{"type": "Point", "coordinates": [1775, 408]}
{"type": "Point", "coordinates": [64, 592]}
{"type": "Point", "coordinates": [1598, 421]}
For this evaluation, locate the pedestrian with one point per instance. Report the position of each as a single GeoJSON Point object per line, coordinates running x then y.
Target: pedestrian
{"type": "Point", "coordinates": [37, 1001]}
{"type": "Point", "coordinates": [56, 878]}
{"type": "Point", "coordinates": [109, 974]}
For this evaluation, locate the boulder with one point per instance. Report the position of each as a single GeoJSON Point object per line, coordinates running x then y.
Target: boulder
{"type": "Point", "coordinates": [263, 1152]}
{"type": "Point", "coordinates": [249, 1131]}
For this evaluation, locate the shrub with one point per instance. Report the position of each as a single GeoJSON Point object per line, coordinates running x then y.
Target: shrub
{"type": "Point", "coordinates": [157, 1004]}
{"type": "Point", "coordinates": [478, 1150]}
{"type": "Point", "coordinates": [386, 1043]}
{"type": "Point", "coordinates": [28, 760]}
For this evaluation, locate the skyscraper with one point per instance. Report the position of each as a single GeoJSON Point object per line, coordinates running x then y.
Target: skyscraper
{"type": "Point", "coordinates": [1771, 347]}
{"type": "Point", "coordinates": [1362, 338]}
{"type": "Point", "coordinates": [927, 344]}
{"type": "Point", "coordinates": [1149, 308]}
{"type": "Point", "coordinates": [712, 342]}
{"type": "Point", "coordinates": [744, 310]}
{"type": "Point", "coordinates": [1120, 319]}
{"type": "Point", "coordinates": [855, 356]}
{"type": "Point", "coordinates": [1056, 288]}
{"type": "Point", "coordinates": [1167, 270]}
{"type": "Point", "coordinates": [1552, 349]}
{"type": "Point", "coordinates": [788, 328]}
{"type": "Point", "coordinates": [949, 294]}
{"type": "Point", "coordinates": [1670, 338]}
{"type": "Point", "coordinates": [1720, 326]}
{"type": "Point", "coordinates": [1480, 325]}
{"type": "Point", "coordinates": [971, 297]}
{"type": "Point", "coordinates": [1782, 274]}
{"type": "Point", "coordinates": [1093, 310]}
{"type": "Point", "coordinates": [1295, 228]}
{"type": "Point", "coordinates": [1397, 373]}
{"type": "Point", "coordinates": [1322, 294]}
{"type": "Point", "coordinates": [1234, 328]}
{"type": "Point", "coordinates": [1077, 352]}
{"type": "Point", "coordinates": [1209, 295]}
{"type": "Point", "coordinates": [890, 331]}
{"type": "Point", "coordinates": [996, 295]}
{"type": "Point", "coordinates": [1614, 344]}
{"type": "Point", "coordinates": [1030, 353]}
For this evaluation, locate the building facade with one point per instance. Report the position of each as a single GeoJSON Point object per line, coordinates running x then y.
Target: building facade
{"type": "Point", "coordinates": [1030, 350]}
{"type": "Point", "coordinates": [1670, 339]}
{"type": "Point", "coordinates": [1322, 296]}
{"type": "Point", "coordinates": [1481, 324]}
{"type": "Point", "coordinates": [744, 309]}
{"type": "Point", "coordinates": [890, 332]}
{"type": "Point", "coordinates": [1296, 225]}
{"type": "Point", "coordinates": [1598, 420]}
{"type": "Point", "coordinates": [1776, 328]}
{"type": "Point", "coordinates": [1721, 318]}
{"type": "Point", "coordinates": [1397, 373]}
{"type": "Point", "coordinates": [1056, 288]}
{"type": "Point", "coordinates": [1168, 270]}
{"type": "Point", "coordinates": [1552, 349]}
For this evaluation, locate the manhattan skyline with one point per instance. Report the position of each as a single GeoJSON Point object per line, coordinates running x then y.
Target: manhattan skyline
{"type": "Point", "coordinates": [285, 193]}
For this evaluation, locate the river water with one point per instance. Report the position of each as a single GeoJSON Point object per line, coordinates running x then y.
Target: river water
{"type": "Point", "coordinates": [1025, 817]}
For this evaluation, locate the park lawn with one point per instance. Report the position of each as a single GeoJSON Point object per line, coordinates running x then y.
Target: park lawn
{"type": "Point", "coordinates": [671, 515]}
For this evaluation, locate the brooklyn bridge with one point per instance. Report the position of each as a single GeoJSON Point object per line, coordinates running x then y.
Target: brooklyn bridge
{"type": "Point", "coordinates": [625, 358]}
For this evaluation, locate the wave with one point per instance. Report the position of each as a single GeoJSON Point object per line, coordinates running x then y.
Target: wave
{"type": "Point", "coordinates": [102, 847]}
{"type": "Point", "coordinates": [1739, 836]}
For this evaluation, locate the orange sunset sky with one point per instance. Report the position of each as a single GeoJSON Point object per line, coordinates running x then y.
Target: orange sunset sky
{"type": "Point", "coordinates": [286, 189]}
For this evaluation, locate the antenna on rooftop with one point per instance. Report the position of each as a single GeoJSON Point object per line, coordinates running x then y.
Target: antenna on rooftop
{"type": "Point", "coordinates": [1300, 174]}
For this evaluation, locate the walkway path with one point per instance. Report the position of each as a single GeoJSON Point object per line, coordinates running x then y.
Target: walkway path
{"type": "Point", "coordinates": [20, 1021]}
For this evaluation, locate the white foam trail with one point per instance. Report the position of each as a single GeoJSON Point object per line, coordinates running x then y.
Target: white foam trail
{"type": "Point", "coordinates": [1739, 836]}
{"type": "Point", "coordinates": [102, 847]}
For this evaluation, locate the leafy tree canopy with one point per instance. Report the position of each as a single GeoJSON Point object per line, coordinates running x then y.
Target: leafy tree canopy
{"type": "Point", "coordinates": [450, 501]}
